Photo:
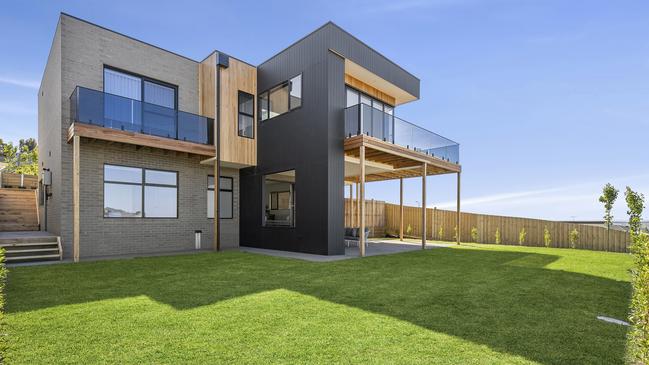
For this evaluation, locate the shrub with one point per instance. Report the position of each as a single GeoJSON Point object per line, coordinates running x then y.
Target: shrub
{"type": "Point", "coordinates": [573, 237]}
{"type": "Point", "coordinates": [498, 240]}
{"type": "Point", "coordinates": [474, 234]}
{"type": "Point", "coordinates": [409, 230]}
{"type": "Point", "coordinates": [440, 233]}
{"type": "Point", "coordinates": [547, 239]}
{"type": "Point", "coordinates": [455, 233]}
{"type": "Point", "coordinates": [638, 339]}
{"type": "Point", "coordinates": [521, 236]}
{"type": "Point", "coordinates": [3, 335]}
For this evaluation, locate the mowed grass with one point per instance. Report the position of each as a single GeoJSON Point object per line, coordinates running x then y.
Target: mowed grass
{"type": "Point", "coordinates": [476, 304]}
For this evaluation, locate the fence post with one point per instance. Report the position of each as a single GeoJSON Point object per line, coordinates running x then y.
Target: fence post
{"type": "Point", "coordinates": [22, 180]}
{"type": "Point", "coordinates": [0, 179]}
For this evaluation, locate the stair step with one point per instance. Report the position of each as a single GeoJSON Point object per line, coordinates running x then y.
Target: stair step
{"type": "Point", "coordinates": [34, 257]}
{"type": "Point", "coordinates": [31, 250]}
{"type": "Point", "coordinates": [25, 244]}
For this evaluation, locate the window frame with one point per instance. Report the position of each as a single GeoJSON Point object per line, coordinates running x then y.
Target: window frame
{"type": "Point", "coordinates": [293, 197]}
{"type": "Point", "coordinates": [239, 112]}
{"type": "Point", "coordinates": [142, 78]}
{"type": "Point", "coordinates": [288, 99]}
{"type": "Point", "coordinates": [142, 185]}
{"type": "Point", "coordinates": [220, 190]}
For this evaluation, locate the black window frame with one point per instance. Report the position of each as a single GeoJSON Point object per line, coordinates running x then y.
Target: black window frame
{"type": "Point", "coordinates": [293, 197]}
{"type": "Point", "coordinates": [288, 99]}
{"type": "Point", "coordinates": [239, 112]}
{"type": "Point", "coordinates": [143, 186]}
{"type": "Point", "coordinates": [231, 190]}
{"type": "Point", "coordinates": [142, 78]}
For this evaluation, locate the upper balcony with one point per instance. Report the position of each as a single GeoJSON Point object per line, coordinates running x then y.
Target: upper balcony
{"type": "Point", "coordinates": [140, 122]}
{"type": "Point", "coordinates": [363, 119]}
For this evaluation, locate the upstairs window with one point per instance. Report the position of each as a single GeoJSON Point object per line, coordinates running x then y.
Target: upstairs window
{"type": "Point", "coordinates": [246, 124]}
{"type": "Point", "coordinates": [281, 99]}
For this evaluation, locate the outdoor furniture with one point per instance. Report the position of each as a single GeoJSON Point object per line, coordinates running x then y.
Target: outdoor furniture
{"type": "Point", "coordinates": [352, 236]}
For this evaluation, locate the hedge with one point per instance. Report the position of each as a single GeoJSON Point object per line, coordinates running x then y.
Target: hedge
{"type": "Point", "coordinates": [638, 341]}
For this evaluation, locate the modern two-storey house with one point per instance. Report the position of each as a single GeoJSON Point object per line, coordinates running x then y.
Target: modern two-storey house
{"type": "Point", "coordinates": [141, 147]}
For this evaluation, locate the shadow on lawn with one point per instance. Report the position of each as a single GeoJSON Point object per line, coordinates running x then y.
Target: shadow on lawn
{"type": "Point", "coordinates": [505, 300]}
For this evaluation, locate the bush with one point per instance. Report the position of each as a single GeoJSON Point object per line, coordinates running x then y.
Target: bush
{"type": "Point", "coordinates": [521, 236]}
{"type": "Point", "coordinates": [573, 237]}
{"type": "Point", "coordinates": [3, 334]}
{"type": "Point", "coordinates": [474, 234]}
{"type": "Point", "coordinates": [638, 340]}
{"type": "Point", "coordinates": [547, 239]}
{"type": "Point", "coordinates": [409, 230]}
{"type": "Point", "coordinates": [440, 233]}
{"type": "Point", "coordinates": [498, 240]}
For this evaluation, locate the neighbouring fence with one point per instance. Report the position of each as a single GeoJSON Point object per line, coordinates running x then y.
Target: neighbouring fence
{"type": "Point", "coordinates": [12, 180]}
{"type": "Point", "coordinates": [374, 216]}
{"type": "Point", "coordinates": [383, 218]}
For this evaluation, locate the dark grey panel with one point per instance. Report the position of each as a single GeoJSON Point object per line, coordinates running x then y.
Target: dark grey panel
{"type": "Point", "coordinates": [309, 140]}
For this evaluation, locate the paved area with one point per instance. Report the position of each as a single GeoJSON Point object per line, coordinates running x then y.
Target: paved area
{"type": "Point", "coordinates": [24, 234]}
{"type": "Point", "coordinates": [375, 248]}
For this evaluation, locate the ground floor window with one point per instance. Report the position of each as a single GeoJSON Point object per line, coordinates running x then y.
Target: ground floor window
{"type": "Point", "coordinates": [226, 197]}
{"type": "Point", "coordinates": [133, 192]}
{"type": "Point", "coordinates": [279, 199]}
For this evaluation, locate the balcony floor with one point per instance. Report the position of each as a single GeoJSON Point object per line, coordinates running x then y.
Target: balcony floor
{"type": "Point", "coordinates": [387, 161]}
{"type": "Point", "coordinates": [139, 139]}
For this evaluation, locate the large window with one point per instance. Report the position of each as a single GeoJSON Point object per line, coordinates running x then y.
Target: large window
{"type": "Point", "coordinates": [157, 116]}
{"type": "Point", "coordinates": [377, 117]}
{"type": "Point", "coordinates": [226, 197]}
{"type": "Point", "coordinates": [127, 190]}
{"type": "Point", "coordinates": [279, 199]}
{"type": "Point", "coordinates": [246, 122]}
{"type": "Point", "coordinates": [282, 98]}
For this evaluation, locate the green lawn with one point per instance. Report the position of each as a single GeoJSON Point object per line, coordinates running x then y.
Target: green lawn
{"type": "Point", "coordinates": [483, 304]}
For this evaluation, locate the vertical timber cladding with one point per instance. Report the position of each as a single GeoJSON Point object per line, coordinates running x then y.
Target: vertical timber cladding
{"type": "Point", "coordinates": [239, 76]}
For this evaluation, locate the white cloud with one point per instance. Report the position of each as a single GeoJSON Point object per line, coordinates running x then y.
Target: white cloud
{"type": "Point", "coordinates": [578, 201]}
{"type": "Point", "coordinates": [30, 84]}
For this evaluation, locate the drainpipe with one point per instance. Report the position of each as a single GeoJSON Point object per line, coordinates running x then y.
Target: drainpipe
{"type": "Point", "coordinates": [222, 61]}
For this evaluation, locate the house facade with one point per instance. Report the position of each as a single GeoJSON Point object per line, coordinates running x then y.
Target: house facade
{"type": "Point", "coordinates": [133, 135]}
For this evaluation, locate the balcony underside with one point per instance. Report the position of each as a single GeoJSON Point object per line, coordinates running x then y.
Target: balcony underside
{"type": "Point", "coordinates": [138, 139]}
{"type": "Point", "coordinates": [387, 161]}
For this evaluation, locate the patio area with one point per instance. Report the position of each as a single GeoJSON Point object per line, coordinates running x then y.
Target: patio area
{"type": "Point", "coordinates": [375, 247]}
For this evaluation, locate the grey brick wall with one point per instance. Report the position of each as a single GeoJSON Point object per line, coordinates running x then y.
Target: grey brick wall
{"type": "Point", "coordinates": [85, 49]}
{"type": "Point", "coordinates": [49, 131]}
{"type": "Point", "coordinates": [118, 236]}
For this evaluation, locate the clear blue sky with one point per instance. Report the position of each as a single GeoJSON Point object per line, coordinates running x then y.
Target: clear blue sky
{"type": "Point", "coordinates": [549, 99]}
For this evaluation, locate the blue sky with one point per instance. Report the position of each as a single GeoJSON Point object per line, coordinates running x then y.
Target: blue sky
{"type": "Point", "coordinates": [549, 99]}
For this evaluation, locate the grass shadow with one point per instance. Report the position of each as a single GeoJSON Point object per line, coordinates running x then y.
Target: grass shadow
{"type": "Point", "coordinates": [506, 300]}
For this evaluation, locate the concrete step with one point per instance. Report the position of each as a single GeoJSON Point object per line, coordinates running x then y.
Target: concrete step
{"type": "Point", "coordinates": [33, 258]}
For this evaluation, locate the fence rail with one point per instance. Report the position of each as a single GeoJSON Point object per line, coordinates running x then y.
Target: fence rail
{"type": "Point", "coordinates": [383, 218]}
{"type": "Point", "coordinates": [13, 180]}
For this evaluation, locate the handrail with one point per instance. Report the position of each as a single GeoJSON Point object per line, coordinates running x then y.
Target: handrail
{"type": "Point", "coordinates": [364, 119]}
{"type": "Point", "coordinates": [108, 110]}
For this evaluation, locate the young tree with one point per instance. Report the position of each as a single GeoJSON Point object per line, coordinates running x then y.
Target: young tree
{"type": "Point", "coordinates": [573, 236]}
{"type": "Point", "coordinates": [497, 236]}
{"type": "Point", "coordinates": [547, 239]}
{"type": "Point", "coordinates": [635, 203]}
{"type": "Point", "coordinates": [608, 197]}
{"type": "Point", "coordinates": [521, 236]}
{"type": "Point", "coordinates": [440, 233]}
{"type": "Point", "coordinates": [474, 234]}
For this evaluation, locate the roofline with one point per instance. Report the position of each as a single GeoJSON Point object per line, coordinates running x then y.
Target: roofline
{"type": "Point", "coordinates": [149, 44]}
{"type": "Point", "coordinates": [349, 34]}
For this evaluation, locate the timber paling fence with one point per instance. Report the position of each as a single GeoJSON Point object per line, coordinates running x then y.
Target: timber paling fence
{"type": "Point", "coordinates": [383, 218]}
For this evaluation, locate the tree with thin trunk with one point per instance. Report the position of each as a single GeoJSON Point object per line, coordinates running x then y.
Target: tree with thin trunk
{"type": "Point", "coordinates": [608, 197]}
{"type": "Point", "coordinates": [635, 203]}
